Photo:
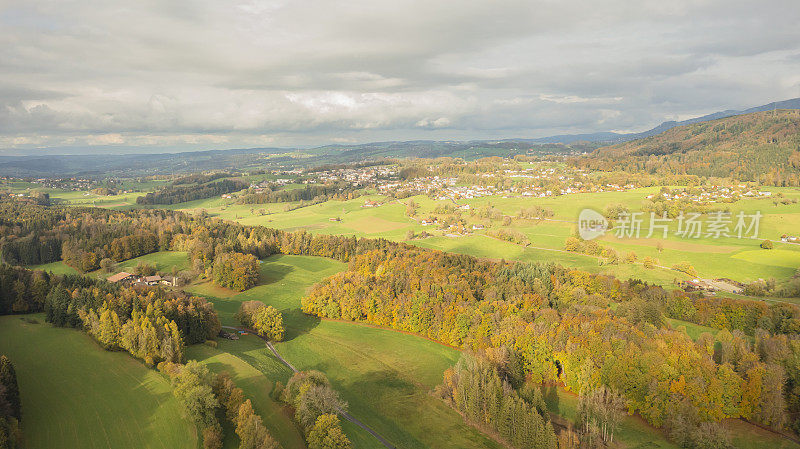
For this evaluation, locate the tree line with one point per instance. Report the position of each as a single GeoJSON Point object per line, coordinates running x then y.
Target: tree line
{"type": "Point", "coordinates": [311, 192]}
{"type": "Point", "coordinates": [209, 399]}
{"type": "Point", "coordinates": [316, 408]}
{"type": "Point", "coordinates": [10, 407]}
{"type": "Point", "coordinates": [181, 193]}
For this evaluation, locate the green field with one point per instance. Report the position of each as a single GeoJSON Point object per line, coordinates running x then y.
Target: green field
{"type": "Point", "coordinates": [712, 258]}
{"type": "Point", "coordinates": [76, 395]}
{"type": "Point", "coordinates": [692, 330]}
{"type": "Point", "coordinates": [385, 376]}
{"type": "Point", "coordinates": [162, 261]}
{"type": "Point", "coordinates": [256, 387]}
{"type": "Point", "coordinates": [55, 267]}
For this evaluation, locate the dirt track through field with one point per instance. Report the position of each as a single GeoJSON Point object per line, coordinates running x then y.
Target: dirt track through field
{"type": "Point", "coordinates": [346, 415]}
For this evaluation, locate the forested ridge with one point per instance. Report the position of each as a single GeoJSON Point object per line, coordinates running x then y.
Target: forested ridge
{"type": "Point", "coordinates": [559, 325]}
{"type": "Point", "coordinates": [761, 146]}
{"type": "Point", "coordinates": [10, 407]}
{"type": "Point", "coordinates": [311, 192]}
{"type": "Point", "coordinates": [179, 193]}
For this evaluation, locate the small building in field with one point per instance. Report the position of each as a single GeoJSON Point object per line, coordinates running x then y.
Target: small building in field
{"type": "Point", "coordinates": [169, 280]}
{"type": "Point", "coordinates": [120, 277]}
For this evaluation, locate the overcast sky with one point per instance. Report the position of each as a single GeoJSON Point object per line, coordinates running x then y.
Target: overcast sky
{"type": "Point", "coordinates": [210, 74]}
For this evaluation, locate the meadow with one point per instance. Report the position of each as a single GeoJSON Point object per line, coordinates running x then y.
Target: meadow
{"type": "Point", "coordinates": [384, 375]}
{"type": "Point", "coordinates": [76, 395]}
{"type": "Point", "coordinates": [256, 387]}
{"type": "Point", "coordinates": [711, 257]}
{"type": "Point", "coordinates": [162, 261]}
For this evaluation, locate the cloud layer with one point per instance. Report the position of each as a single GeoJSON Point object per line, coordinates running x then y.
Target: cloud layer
{"type": "Point", "coordinates": [213, 74]}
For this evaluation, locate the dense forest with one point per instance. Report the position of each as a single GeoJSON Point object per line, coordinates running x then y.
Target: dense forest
{"type": "Point", "coordinates": [181, 193]}
{"type": "Point", "coordinates": [762, 147]}
{"type": "Point", "coordinates": [311, 192]}
{"type": "Point", "coordinates": [559, 325]}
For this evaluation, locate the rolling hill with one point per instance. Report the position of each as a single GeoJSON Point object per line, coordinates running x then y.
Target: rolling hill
{"type": "Point", "coordinates": [760, 146]}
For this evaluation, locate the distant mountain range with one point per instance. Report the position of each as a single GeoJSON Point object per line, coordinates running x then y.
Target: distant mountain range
{"type": "Point", "coordinates": [144, 164]}
{"type": "Point", "coordinates": [794, 103]}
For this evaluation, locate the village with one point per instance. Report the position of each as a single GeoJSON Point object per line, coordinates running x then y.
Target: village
{"type": "Point", "coordinates": [709, 194]}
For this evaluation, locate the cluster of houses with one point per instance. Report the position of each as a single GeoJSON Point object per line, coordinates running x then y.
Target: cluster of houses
{"type": "Point", "coordinates": [710, 194]}
{"type": "Point", "coordinates": [132, 279]}
{"type": "Point", "coordinates": [427, 184]}
{"type": "Point", "coordinates": [445, 188]}
{"type": "Point", "coordinates": [360, 176]}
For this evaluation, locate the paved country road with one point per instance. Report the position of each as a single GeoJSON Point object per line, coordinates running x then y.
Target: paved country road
{"type": "Point", "coordinates": [346, 415]}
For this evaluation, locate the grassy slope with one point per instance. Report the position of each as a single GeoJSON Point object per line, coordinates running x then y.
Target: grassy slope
{"type": "Point", "coordinates": [163, 261]}
{"type": "Point", "coordinates": [76, 395]}
{"type": "Point", "coordinates": [256, 387]}
{"type": "Point", "coordinates": [711, 257]}
{"type": "Point", "coordinates": [385, 375]}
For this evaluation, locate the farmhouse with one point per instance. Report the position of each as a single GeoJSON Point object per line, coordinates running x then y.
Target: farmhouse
{"type": "Point", "coordinates": [169, 280]}
{"type": "Point", "coordinates": [120, 277]}
{"type": "Point", "coordinates": [152, 280]}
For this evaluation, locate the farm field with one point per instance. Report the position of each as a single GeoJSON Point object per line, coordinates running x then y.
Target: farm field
{"type": "Point", "coordinates": [58, 267]}
{"type": "Point", "coordinates": [692, 330]}
{"type": "Point", "coordinates": [712, 258]}
{"type": "Point", "coordinates": [162, 261]}
{"type": "Point", "coordinates": [76, 395]}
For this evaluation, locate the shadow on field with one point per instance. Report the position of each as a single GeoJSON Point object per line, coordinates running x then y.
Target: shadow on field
{"type": "Point", "coordinates": [273, 272]}
{"type": "Point", "coordinates": [298, 323]}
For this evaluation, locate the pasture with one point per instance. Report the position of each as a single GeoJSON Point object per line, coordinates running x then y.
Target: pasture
{"type": "Point", "coordinates": [712, 258]}
{"type": "Point", "coordinates": [76, 395]}
{"type": "Point", "coordinates": [256, 387]}
{"type": "Point", "coordinates": [385, 375]}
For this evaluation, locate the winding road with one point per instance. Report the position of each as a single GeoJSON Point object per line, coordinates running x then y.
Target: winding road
{"type": "Point", "coordinates": [346, 415]}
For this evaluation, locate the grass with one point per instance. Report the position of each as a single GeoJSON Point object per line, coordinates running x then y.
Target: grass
{"type": "Point", "coordinates": [713, 258]}
{"type": "Point", "coordinates": [692, 330]}
{"type": "Point", "coordinates": [163, 261]}
{"type": "Point", "coordinates": [55, 267]}
{"type": "Point", "coordinates": [256, 387]}
{"type": "Point", "coordinates": [76, 395]}
{"type": "Point", "coordinates": [386, 376]}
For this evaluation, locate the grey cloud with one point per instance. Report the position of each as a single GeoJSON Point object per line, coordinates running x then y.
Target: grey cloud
{"type": "Point", "coordinates": [196, 73]}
